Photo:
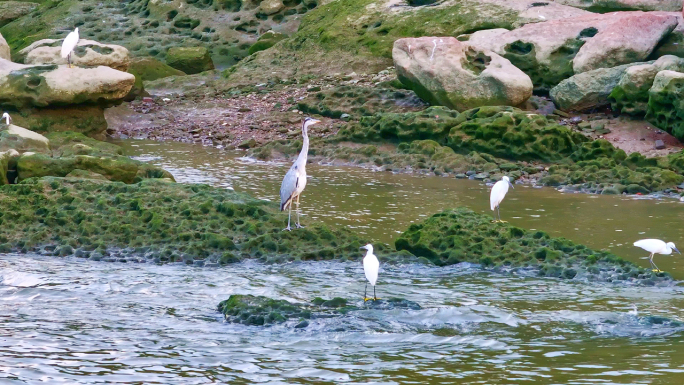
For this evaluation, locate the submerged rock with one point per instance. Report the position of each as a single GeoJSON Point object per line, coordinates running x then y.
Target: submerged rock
{"type": "Point", "coordinates": [260, 310]}
{"type": "Point", "coordinates": [445, 71]}
{"type": "Point", "coordinates": [190, 60]}
{"type": "Point", "coordinates": [43, 85]}
{"type": "Point", "coordinates": [87, 53]}
{"type": "Point", "coordinates": [461, 235]}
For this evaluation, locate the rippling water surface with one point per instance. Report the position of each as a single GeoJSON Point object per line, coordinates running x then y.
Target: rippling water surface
{"type": "Point", "coordinates": [66, 320]}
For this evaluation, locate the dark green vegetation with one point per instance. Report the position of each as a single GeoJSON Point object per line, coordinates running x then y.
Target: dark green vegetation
{"type": "Point", "coordinates": [359, 101]}
{"type": "Point", "coordinates": [160, 221]}
{"type": "Point", "coordinates": [260, 310]}
{"type": "Point", "coordinates": [461, 235]}
{"type": "Point", "coordinates": [491, 142]}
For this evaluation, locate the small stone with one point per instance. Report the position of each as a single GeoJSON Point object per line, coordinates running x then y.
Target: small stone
{"type": "Point", "coordinates": [659, 144]}
{"type": "Point", "coordinates": [302, 324]}
{"type": "Point", "coordinates": [244, 109]}
{"type": "Point", "coordinates": [470, 173]}
{"type": "Point", "coordinates": [249, 143]}
{"type": "Point", "coordinates": [460, 176]}
{"type": "Point", "coordinates": [481, 176]}
{"type": "Point", "coordinates": [345, 117]}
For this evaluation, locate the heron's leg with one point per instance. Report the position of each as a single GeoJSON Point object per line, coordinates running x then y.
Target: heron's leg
{"type": "Point", "coordinates": [289, 214]}
{"type": "Point", "coordinates": [375, 298]}
{"type": "Point", "coordinates": [655, 268]}
{"type": "Point", "coordinates": [498, 211]}
{"type": "Point", "coordinates": [365, 290]}
{"type": "Point", "coordinates": [69, 60]}
{"type": "Point", "coordinates": [297, 225]}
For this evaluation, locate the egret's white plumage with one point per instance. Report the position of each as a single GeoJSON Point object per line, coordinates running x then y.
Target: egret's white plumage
{"type": "Point", "coordinates": [69, 44]}
{"type": "Point", "coordinates": [498, 193]}
{"type": "Point", "coordinates": [656, 246]}
{"type": "Point", "coordinates": [7, 118]}
{"type": "Point", "coordinates": [371, 266]}
{"type": "Point", "coordinates": [295, 179]}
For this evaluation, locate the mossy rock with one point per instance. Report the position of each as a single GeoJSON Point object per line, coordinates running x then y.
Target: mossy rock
{"type": "Point", "coordinates": [666, 103]}
{"type": "Point", "coordinates": [263, 311]}
{"type": "Point", "coordinates": [511, 133]}
{"type": "Point", "coordinates": [191, 222]}
{"type": "Point", "coordinates": [461, 235]}
{"type": "Point", "coordinates": [149, 68]}
{"type": "Point", "coordinates": [266, 41]}
{"type": "Point", "coordinates": [69, 143]}
{"type": "Point", "coordinates": [359, 101]}
{"type": "Point", "coordinates": [85, 119]}
{"type": "Point", "coordinates": [190, 60]}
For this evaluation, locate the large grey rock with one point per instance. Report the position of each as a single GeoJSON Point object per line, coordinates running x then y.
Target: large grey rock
{"type": "Point", "coordinates": [43, 85]}
{"type": "Point", "coordinates": [445, 71]}
{"type": "Point", "coordinates": [555, 50]}
{"type": "Point", "coordinates": [22, 140]}
{"type": "Point", "coordinates": [4, 49]}
{"type": "Point", "coordinates": [86, 53]}
{"type": "Point", "coordinates": [588, 89]}
{"type": "Point", "coordinates": [631, 94]}
{"type": "Point", "coordinates": [624, 5]}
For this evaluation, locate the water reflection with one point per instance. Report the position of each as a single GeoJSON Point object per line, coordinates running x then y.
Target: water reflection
{"type": "Point", "coordinates": [382, 205]}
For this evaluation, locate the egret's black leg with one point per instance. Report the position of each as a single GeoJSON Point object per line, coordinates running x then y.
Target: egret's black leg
{"type": "Point", "coordinates": [365, 290]}
{"type": "Point", "coordinates": [375, 298]}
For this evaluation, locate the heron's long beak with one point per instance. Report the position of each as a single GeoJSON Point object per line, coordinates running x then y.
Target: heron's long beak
{"type": "Point", "coordinates": [677, 250]}
{"type": "Point", "coordinates": [363, 248]}
{"type": "Point", "coordinates": [315, 121]}
{"type": "Point", "coordinates": [511, 184]}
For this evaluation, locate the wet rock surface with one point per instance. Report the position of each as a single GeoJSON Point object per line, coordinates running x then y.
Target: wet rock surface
{"type": "Point", "coordinates": [86, 53]}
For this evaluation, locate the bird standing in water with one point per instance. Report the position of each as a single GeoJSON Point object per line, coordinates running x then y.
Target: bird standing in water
{"type": "Point", "coordinates": [295, 179]}
{"type": "Point", "coordinates": [656, 246]}
{"type": "Point", "coordinates": [371, 265]}
{"type": "Point", "coordinates": [497, 195]}
{"type": "Point", "coordinates": [69, 44]}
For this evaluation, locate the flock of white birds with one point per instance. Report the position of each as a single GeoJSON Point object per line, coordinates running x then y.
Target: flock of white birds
{"type": "Point", "coordinates": [295, 180]}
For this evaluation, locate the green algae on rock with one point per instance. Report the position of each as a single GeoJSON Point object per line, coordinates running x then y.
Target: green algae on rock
{"type": "Point", "coordinates": [266, 41]}
{"type": "Point", "coordinates": [190, 60]}
{"type": "Point", "coordinates": [461, 235]}
{"type": "Point", "coordinates": [259, 310]}
{"type": "Point", "coordinates": [666, 103]}
{"type": "Point", "coordinates": [162, 222]}
{"type": "Point", "coordinates": [86, 119]}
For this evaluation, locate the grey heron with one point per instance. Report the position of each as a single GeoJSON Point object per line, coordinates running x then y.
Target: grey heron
{"type": "Point", "coordinates": [68, 45]}
{"type": "Point", "coordinates": [371, 265]}
{"type": "Point", "coordinates": [497, 195]}
{"type": "Point", "coordinates": [295, 179]}
{"type": "Point", "coordinates": [656, 246]}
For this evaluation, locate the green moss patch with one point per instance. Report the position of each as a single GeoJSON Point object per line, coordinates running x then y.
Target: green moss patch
{"type": "Point", "coordinates": [461, 235]}
{"type": "Point", "coordinates": [259, 310]}
{"type": "Point", "coordinates": [162, 222]}
{"type": "Point", "coordinates": [359, 101]}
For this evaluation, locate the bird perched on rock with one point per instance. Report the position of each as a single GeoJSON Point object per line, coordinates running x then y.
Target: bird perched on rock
{"type": "Point", "coordinates": [497, 195]}
{"type": "Point", "coordinates": [7, 118]}
{"type": "Point", "coordinates": [68, 45]}
{"type": "Point", "coordinates": [656, 246]}
{"type": "Point", "coordinates": [371, 265]}
{"type": "Point", "coordinates": [295, 179]}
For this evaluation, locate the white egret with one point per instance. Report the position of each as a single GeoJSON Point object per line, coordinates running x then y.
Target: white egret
{"type": "Point", "coordinates": [371, 265]}
{"type": "Point", "coordinates": [69, 44]}
{"type": "Point", "coordinates": [656, 246]}
{"type": "Point", "coordinates": [7, 118]}
{"type": "Point", "coordinates": [497, 195]}
{"type": "Point", "coordinates": [295, 179]}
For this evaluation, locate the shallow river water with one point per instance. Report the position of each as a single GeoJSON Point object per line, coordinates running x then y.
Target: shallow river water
{"type": "Point", "coordinates": [73, 321]}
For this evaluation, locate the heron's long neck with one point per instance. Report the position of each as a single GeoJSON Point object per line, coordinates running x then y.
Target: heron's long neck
{"type": "Point", "coordinates": [301, 159]}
